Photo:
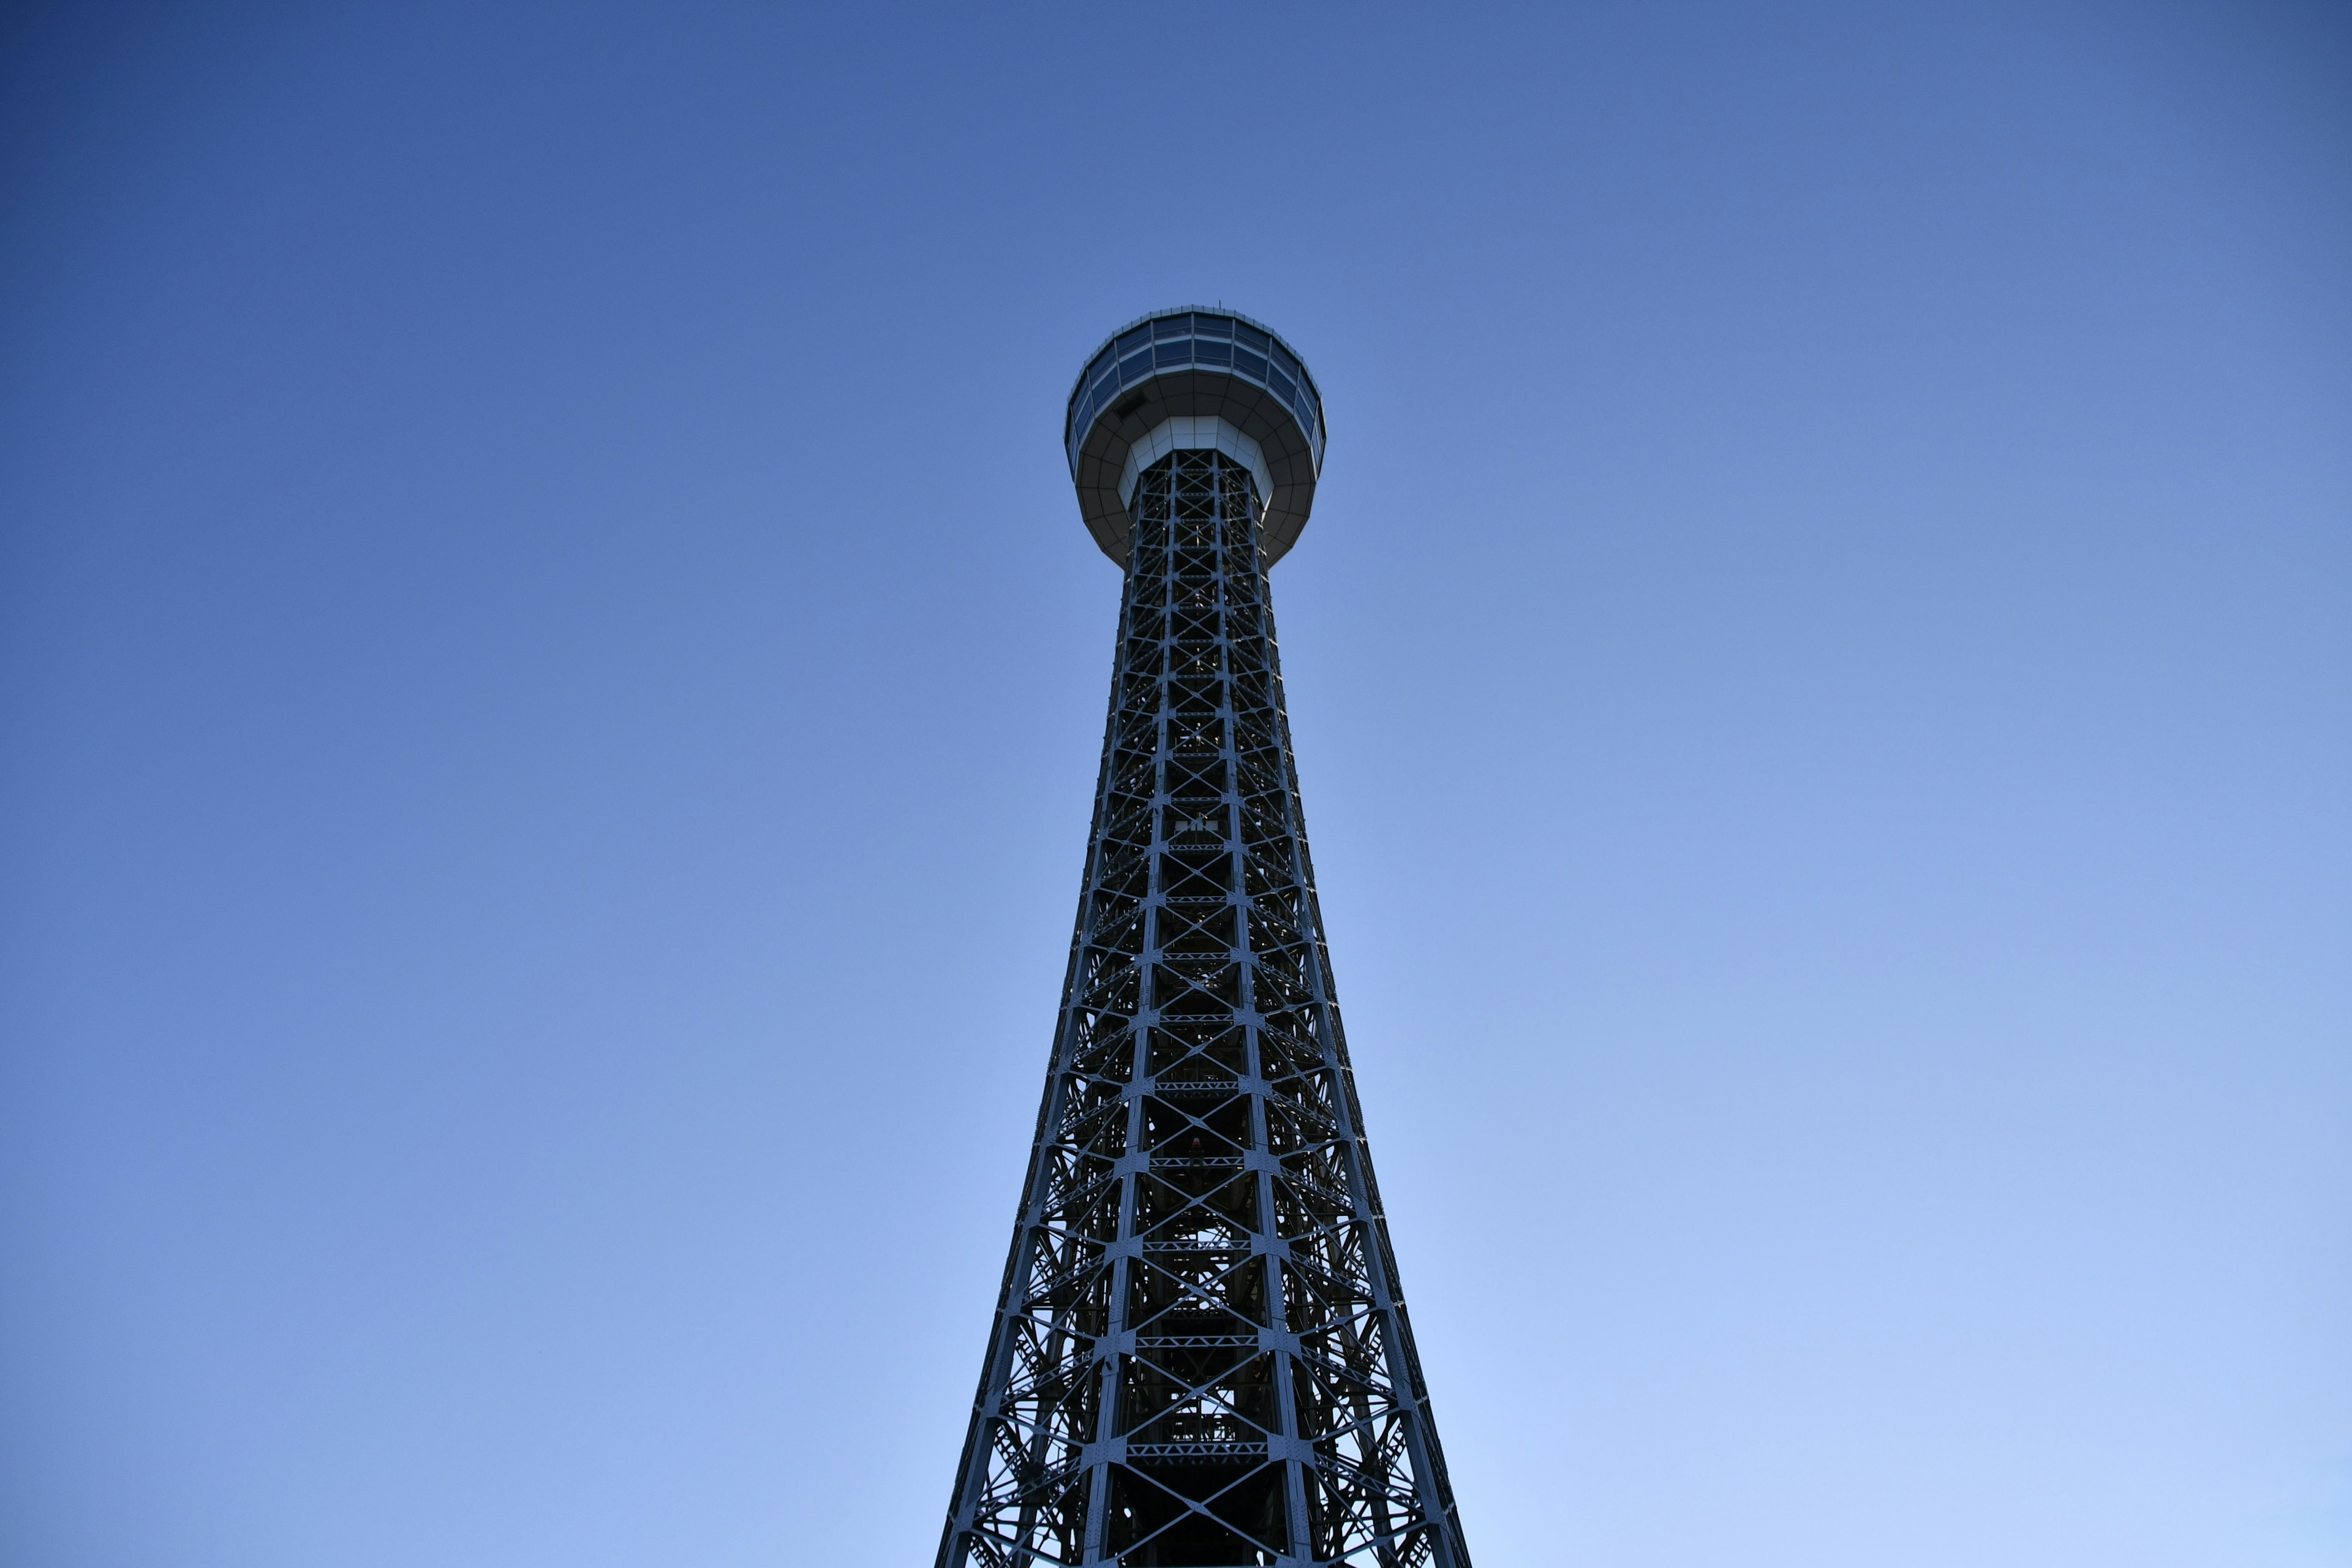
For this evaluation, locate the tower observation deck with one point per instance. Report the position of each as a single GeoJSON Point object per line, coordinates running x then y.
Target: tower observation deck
{"type": "Point", "coordinates": [1200, 1355]}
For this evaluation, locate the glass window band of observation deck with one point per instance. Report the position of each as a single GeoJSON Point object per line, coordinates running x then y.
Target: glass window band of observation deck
{"type": "Point", "coordinates": [1184, 338]}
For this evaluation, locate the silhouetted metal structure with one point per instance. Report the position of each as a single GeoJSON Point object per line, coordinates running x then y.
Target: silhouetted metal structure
{"type": "Point", "coordinates": [1201, 1352]}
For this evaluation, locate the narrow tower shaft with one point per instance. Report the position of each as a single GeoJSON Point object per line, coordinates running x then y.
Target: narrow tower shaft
{"type": "Point", "coordinates": [1200, 1354]}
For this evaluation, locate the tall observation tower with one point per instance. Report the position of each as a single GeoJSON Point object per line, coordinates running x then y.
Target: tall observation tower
{"type": "Point", "coordinates": [1201, 1352]}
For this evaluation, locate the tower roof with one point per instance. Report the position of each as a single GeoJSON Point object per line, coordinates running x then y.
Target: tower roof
{"type": "Point", "coordinates": [1199, 365]}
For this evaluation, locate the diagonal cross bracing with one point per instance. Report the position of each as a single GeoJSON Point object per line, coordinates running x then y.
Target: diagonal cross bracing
{"type": "Point", "coordinates": [1200, 1353]}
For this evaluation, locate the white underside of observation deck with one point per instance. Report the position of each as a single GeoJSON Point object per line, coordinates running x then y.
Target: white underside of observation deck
{"type": "Point", "coordinates": [1190, 433]}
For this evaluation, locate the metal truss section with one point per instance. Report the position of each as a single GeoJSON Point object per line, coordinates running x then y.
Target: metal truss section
{"type": "Point", "coordinates": [1200, 1354]}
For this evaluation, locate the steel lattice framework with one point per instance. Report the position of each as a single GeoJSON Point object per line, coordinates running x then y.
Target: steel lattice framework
{"type": "Point", "coordinates": [1200, 1353]}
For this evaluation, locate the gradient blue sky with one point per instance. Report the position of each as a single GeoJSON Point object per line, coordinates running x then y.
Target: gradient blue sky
{"type": "Point", "coordinates": [552, 682]}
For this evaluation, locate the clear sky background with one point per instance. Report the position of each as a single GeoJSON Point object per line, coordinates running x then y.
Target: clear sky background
{"type": "Point", "coordinates": [552, 683]}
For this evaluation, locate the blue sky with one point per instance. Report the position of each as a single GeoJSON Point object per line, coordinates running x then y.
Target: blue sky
{"type": "Point", "coordinates": [553, 679]}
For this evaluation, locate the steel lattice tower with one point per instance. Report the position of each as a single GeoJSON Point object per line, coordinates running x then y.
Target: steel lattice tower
{"type": "Point", "coordinates": [1200, 1353]}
